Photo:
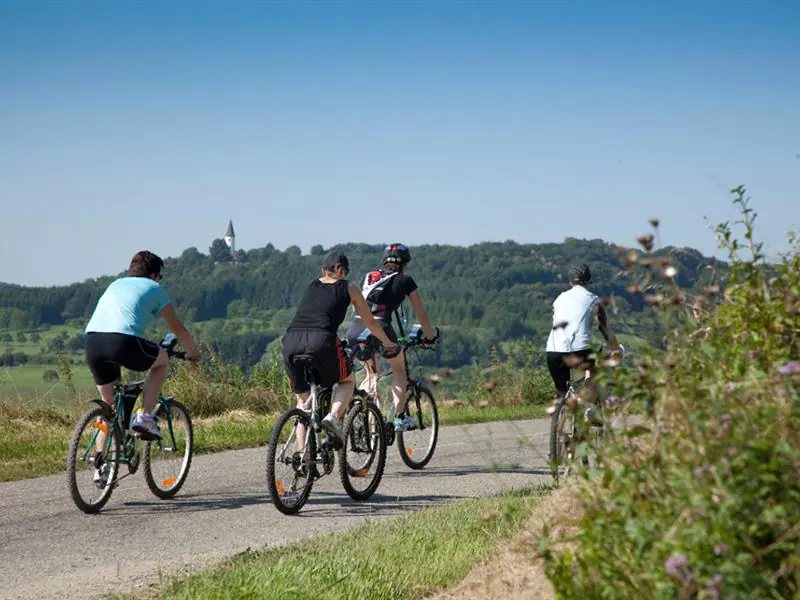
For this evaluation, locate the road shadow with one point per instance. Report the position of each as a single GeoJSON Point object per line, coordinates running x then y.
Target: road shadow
{"type": "Point", "coordinates": [328, 504]}
{"type": "Point", "coordinates": [459, 471]}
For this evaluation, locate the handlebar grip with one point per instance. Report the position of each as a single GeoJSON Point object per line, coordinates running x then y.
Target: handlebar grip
{"type": "Point", "coordinates": [176, 354]}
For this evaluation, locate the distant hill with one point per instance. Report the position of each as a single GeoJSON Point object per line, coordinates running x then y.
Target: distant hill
{"type": "Point", "coordinates": [479, 295]}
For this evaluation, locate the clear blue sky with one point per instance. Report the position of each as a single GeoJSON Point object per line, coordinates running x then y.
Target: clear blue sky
{"type": "Point", "coordinates": [148, 125]}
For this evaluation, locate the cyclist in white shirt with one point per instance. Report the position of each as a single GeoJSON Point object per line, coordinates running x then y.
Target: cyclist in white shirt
{"type": "Point", "coordinates": [570, 339]}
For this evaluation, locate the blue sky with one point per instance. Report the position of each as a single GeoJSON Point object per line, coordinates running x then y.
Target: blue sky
{"type": "Point", "coordinates": [148, 125]}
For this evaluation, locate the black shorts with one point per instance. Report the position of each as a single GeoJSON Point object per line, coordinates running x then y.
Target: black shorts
{"type": "Point", "coordinates": [331, 363]}
{"type": "Point", "coordinates": [560, 369]}
{"type": "Point", "coordinates": [107, 352]}
{"type": "Point", "coordinates": [372, 343]}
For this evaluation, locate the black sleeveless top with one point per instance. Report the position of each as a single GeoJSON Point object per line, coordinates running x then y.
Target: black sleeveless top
{"type": "Point", "coordinates": [323, 307]}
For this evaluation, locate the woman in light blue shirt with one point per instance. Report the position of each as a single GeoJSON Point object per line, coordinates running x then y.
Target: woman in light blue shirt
{"type": "Point", "coordinates": [115, 335]}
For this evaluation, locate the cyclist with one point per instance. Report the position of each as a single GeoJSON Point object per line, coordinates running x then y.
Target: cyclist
{"type": "Point", "coordinates": [569, 342]}
{"type": "Point", "coordinates": [313, 331]}
{"type": "Point", "coordinates": [114, 336]}
{"type": "Point", "coordinates": [386, 289]}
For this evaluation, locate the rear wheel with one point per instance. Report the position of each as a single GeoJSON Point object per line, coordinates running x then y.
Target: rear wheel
{"type": "Point", "coordinates": [416, 446]}
{"type": "Point", "coordinates": [167, 461]}
{"type": "Point", "coordinates": [290, 470]}
{"type": "Point", "coordinates": [363, 458]}
{"type": "Point", "coordinates": [92, 472]}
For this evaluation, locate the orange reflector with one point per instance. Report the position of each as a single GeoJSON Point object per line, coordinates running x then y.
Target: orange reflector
{"type": "Point", "coordinates": [362, 472]}
{"type": "Point", "coordinates": [101, 426]}
{"type": "Point", "coordinates": [410, 450]}
{"type": "Point", "coordinates": [280, 487]}
{"type": "Point", "coordinates": [168, 480]}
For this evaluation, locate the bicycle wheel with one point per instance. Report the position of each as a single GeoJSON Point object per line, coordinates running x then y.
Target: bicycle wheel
{"type": "Point", "coordinates": [287, 464]}
{"type": "Point", "coordinates": [167, 461]}
{"type": "Point", "coordinates": [83, 459]}
{"type": "Point", "coordinates": [366, 446]}
{"type": "Point", "coordinates": [416, 446]}
{"type": "Point", "coordinates": [562, 438]}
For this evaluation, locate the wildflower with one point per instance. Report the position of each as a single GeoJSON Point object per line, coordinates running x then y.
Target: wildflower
{"type": "Point", "coordinates": [646, 242]}
{"type": "Point", "coordinates": [790, 368]}
{"type": "Point", "coordinates": [713, 588]}
{"type": "Point", "coordinates": [720, 549]}
{"type": "Point", "coordinates": [654, 222]}
{"type": "Point", "coordinates": [725, 422]}
{"type": "Point", "coordinates": [674, 564]}
{"type": "Point", "coordinates": [670, 271]}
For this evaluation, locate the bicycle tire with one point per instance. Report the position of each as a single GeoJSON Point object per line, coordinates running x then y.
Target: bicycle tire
{"type": "Point", "coordinates": [345, 471]}
{"type": "Point", "coordinates": [114, 451]}
{"type": "Point", "coordinates": [175, 486]}
{"type": "Point", "coordinates": [272, 447]}
{"type": "Point", "coordinates": [401, 447]}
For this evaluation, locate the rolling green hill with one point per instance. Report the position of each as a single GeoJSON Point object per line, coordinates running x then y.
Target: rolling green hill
{"type": "Point", "coordinates": [480, 296]}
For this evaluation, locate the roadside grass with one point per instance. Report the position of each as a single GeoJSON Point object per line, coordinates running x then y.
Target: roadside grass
{"type": "Point", "coordinates": [409, 556]}
{"type": "Point", "coordinates": [34, 441]}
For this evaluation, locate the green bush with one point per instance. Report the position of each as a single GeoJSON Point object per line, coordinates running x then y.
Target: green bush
{"type": "Point", "coordinates": [701, 499]}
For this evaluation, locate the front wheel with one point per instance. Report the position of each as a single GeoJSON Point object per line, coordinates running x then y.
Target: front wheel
{"type": "Point", "coordinates": [290, 468]}
{"type": "Point", "coordinates": [363, 457]}
{"type": "Point", "coordinates": [93, 461]}
{"type": "Point", "coordinates": [167, 460]}
{"type": "Point", "coordinates": [417, 445]}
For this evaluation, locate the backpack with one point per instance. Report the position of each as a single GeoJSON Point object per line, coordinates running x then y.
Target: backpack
{"type": "Point", "coordinates": [373, 286]}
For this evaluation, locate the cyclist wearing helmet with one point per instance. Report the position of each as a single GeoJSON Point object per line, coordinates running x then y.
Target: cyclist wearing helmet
{"type": "Point", "coordinates": [385, 290]}
{"type": "Point", "coordinates": [569, 342]}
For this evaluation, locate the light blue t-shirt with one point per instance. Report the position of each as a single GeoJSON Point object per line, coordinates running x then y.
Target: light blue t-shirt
{"type": "Point", "coordinates": [128, 306]}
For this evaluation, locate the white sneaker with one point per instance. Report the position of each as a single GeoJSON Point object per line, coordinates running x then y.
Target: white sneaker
{"type": "Point", "coordinates": [406, 423]}
{"type": "Point", "coordinates": [146, 427]}
{"type": "Point", "coordinates": [333, 426]}
{"type": "Point", "coordinates": [592, 417]}
{"type": "Point", "coordinates": [100, 477]}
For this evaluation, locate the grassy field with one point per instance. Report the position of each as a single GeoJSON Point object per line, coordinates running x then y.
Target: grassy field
{"type": "Point", "coordinates": [404, 557]}
{"type": "Point", "coordinates": [33, 442]}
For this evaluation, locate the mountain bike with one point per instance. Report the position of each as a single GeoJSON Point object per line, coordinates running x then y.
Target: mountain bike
{"type": "Point", "coordinates": [572, 434]}
{"type": "Point", "coordinates": [102, 441]}
{"type": "Point", "coordinates": [307, 453]}
{"type": "Point", "coordinates": [415, 446]}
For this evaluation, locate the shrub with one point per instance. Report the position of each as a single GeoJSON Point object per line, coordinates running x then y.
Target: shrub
{"type": "Point", "coordinates": [701, 499]}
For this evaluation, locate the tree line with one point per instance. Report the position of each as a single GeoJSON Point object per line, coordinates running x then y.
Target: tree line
{"type": "Point", "coordinates": [479, 295]}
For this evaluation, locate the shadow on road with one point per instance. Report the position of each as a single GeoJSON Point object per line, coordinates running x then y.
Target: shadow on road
{"type": "Point", "coordinates": [344, 505]}
{"type": "Point", "coordinates": [475, 469]}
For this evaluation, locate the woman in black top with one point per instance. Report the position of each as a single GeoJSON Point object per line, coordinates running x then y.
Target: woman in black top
{"type": "Point", "coordinates": [313, 331]}
{"type": "Point", "coordinates": [386, 289]}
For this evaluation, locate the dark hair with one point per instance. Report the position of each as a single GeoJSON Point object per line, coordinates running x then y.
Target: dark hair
{"type": "Point", "coordinates": [336, 259]}
{"type": "Point", "coordinates": [393, 267]}
{"type": "Point", "coordinates": [580, 274]}
{"type": "Point", "coordinates": [144, 264]}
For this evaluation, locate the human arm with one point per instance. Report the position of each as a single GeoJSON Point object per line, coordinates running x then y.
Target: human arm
{"type": "Point", "coordinates": [366, 316]}
{"type": "Point", "coordinates": [184, 337]}
{"type": "Point", "coordinates": [419, 310]}
{"type": "Point", "coordinates": [605, 330]}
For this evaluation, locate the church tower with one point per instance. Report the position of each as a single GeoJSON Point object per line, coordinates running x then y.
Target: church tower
{"type": "Point", "coordinates": [230, 238]}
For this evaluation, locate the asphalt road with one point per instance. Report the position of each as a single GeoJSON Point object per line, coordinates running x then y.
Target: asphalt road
{"type": "Point", "coordinates": [49, 549]}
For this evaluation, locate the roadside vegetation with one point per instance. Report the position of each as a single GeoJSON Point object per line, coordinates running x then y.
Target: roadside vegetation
{"type": "Point", "coordinates": [702, 499]}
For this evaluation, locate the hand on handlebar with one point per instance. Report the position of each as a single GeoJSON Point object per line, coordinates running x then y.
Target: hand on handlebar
{"type": "Point", "coordinates": [192, 355]}
{"type": "Point", "coordinates": [429, 341]}
{"type": "Point", "coordinates": [391, 351]}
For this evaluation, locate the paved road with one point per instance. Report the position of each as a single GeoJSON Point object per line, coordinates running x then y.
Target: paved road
{"type": "Point", "coordinates": [49, 549]}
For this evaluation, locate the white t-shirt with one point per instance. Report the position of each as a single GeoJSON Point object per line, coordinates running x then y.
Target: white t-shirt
{"type": "Point", "coordinates": [574, 308]}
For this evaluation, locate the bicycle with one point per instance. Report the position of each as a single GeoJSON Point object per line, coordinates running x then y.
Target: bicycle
{"type": "Point", "coordinates": [120, 445]}
{"type": "Point", "coordinates": [419, 398]}
{"type": "Point", "coordinates": [568, 437]}
{"type": "Point", "coordinates": [315, 457]}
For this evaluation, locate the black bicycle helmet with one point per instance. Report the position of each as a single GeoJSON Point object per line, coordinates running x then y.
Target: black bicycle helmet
{"type": "Point", "coordinates": [580, 274]}
{"type": "Point", "coordinates": [396, 253]}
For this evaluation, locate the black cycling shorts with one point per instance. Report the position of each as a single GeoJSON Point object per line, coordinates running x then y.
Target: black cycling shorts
{"type": "Point", "coordinates": [560, 370]}
{"type": "Point", "coordinates": [107, 352]}
{"type": "Point", "coordinates": [331, 362]}
{"type": "Point", "coordinates": [373, 343]}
